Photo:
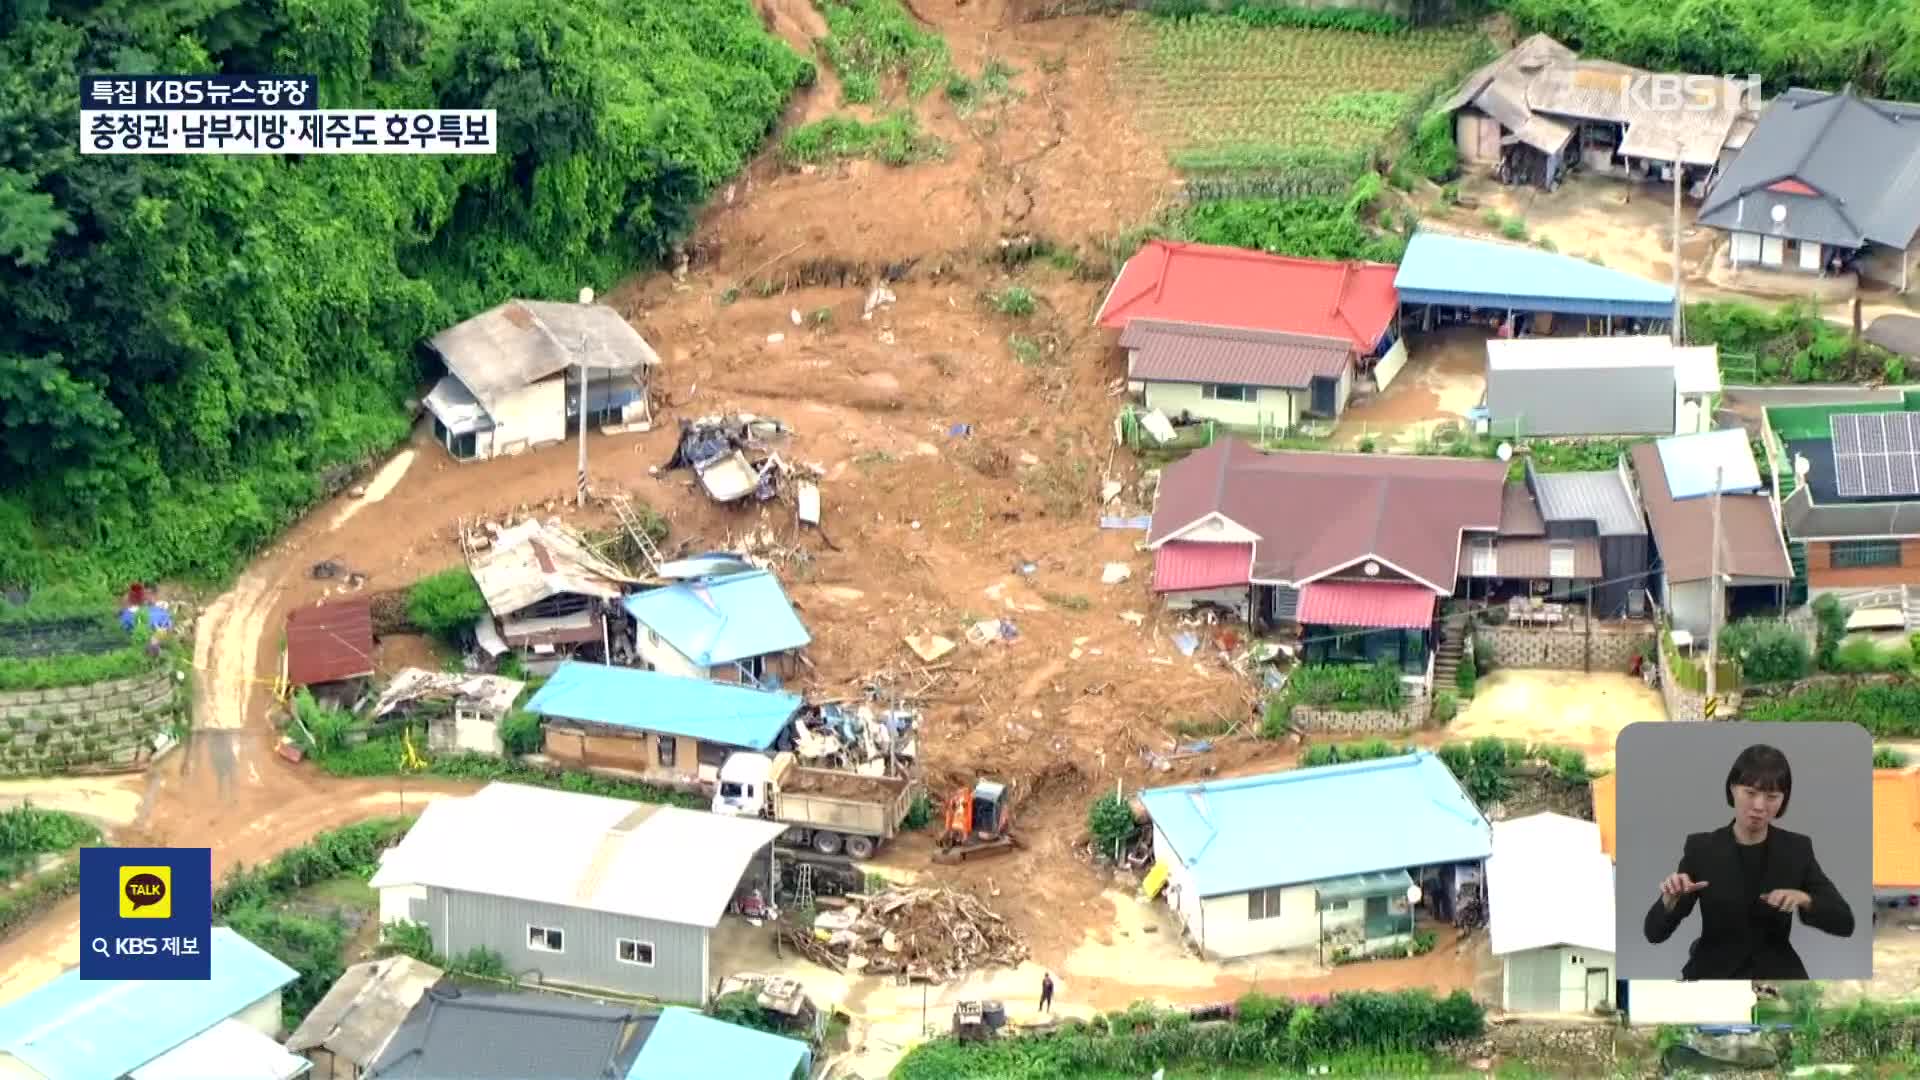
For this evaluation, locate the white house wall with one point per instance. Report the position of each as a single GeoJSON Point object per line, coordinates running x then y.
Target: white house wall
{"type": "Point", "coordinates": [1564, 967]}
{"type": "Point", "coordinates": [395, 902]}
{"type": "Point", "coordinates": [1390, 365]}
{"type": "Point", "coordinates": [263, 1016]}
{"type": "Point", "coordinates": [1663, 1001]}
{"type": "Point", "coordinates": [1271, 407]}
{"type": "Point", "coordinates": [1216, 530]}
{"type": "Point", "coordinates": [664, 658]}
{"type": "Point", "coordinates": [1230, 933]}
{"type": "Point", "coordinates": [1181, 898]}
{"type": "Point", "coordinates": [1689, 603]}
{"type": "Point", "coordinates": [531, 416]}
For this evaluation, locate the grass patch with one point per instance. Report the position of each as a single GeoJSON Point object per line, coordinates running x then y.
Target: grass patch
{"type": "Point", "coordinates": [895, 140]}
{"type": "Point", "coordinates": [1888, 710]}
{"type": "Point", "coordinates": [1069, 601]}
{"type": "Point", "coordinates": [869, 42]}
{"type": "Point", "coordinates": [1016, 301]}
{"type": "Point", "coordinates": [27, 832]}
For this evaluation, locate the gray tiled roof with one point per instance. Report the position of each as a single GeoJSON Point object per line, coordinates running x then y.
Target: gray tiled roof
{"type": "Point", "coordinates": [1188, 352]}
{"type": "Point", "coordinates": [1861, 155]}
{"type": "Point", "coordinates": [1599, 497]}
{"type": "Point", "coordinates": [466, 1034]}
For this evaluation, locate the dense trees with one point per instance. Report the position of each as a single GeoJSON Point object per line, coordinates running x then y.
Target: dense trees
{"type": "Point", "coordinates": [187, 344]}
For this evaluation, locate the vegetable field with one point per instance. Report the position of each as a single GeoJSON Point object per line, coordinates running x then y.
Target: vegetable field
{"type": "Point", "coordinates": [1226, 97]}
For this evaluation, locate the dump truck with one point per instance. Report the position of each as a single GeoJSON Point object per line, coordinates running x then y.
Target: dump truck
{"type": "Point", "coordinates": [829, 810]}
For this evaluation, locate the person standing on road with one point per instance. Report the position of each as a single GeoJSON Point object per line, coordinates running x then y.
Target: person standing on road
{"type": "Point", "coordinates": [1046, 992]}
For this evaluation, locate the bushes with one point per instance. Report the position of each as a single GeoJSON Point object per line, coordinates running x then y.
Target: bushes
{"type": "Point", "coordinates": [1865, 656]}
{"type": "Point", "coordinates": [1315, 227]}
{"type": "Point", "coordinates": [1466, 678]}
{"type": "Point", "coordinates": [871, 40]}
{"type": "Point", "coordinates": [1433, 153]}
{"type": "Point", "coordinates": [1886, 757]}
{"type": "Point", "coordinates": [1768, 650]}
{"type": "Point", "coordinates": [1888, 710]}
{"type": "Point", "coordinates": [1446, 706]}
{"type": "Point", "coordinates": [1258, 13]}
{"type": "Point", "coordinates": [520, 732]}
{"type": "Point", "coordinates": [1347, 686]}
{"type": "Point", "coordinates": [28, 832]}
{"type": "Point", "coordinates": [40, 892]}
{"type": "Point", "coordinates": [1110, 820]}
{"type": "Point", "coordinates": [1830, 621]}
{"type": "Point", "coordinates": [309, 944]}
{"type": "Point", "coordinates": [1335, 753]}
{"type": "Point", "coordinates": [896, 140]}
{"type": "Point", "coordinates": [353, 849]}
{"type": "Point", "coordinates": [446, 604]}
{"type": "Point", "coordinates": [1792, 343]}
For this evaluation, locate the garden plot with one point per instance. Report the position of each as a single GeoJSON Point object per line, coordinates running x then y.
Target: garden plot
{"type": "Point", "coordinates": [1224, 97]}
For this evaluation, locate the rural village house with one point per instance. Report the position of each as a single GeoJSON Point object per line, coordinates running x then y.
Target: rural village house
{"type": "Point", "coordinates": [1240, 888]}
{"type": "Point", "coordinates": [226, 1027]}
{"type": "Point", "coordinates": [1446, 279]}
{"type": "Point", "coordinates": [462, 712]}
{"type": "Point", "coordinates": [548, 595]}
{"type": "Point", "coordinates": [329, 651]}
{"type": "Point", "coordinates": [737, 627]}
{"type": "Point", "coordinates": [1539, 111]}
{"type": "Point", "coordinates": [1849, 479]}
{"type": "Point", "coordinates": [567, 885]}
{"type": "Point", "coordinates": [1550, 915]}
{"type": "Point", "coordinates": [689, 1045]}
{"type": "Point", "coordinates": [1675, 477]}
{"type": "Point", "coordinates": [346, 1031]}
{"type": "Point", "coordinates": [667, 728]}
{"type": "Point", "coordinates": [1558, 387]}
{"type": "Point", "coordinates": [1828, 183]}
{"type": "Point", "coordinates": [1250, 339]}
{"type": "Point", "coordinates": [513, 376]}
{"type": "Point", "coordinates": [1572, 536]}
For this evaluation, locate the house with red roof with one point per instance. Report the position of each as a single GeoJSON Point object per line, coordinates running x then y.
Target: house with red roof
{"type": "Point", "coordinates": [1250, 339]}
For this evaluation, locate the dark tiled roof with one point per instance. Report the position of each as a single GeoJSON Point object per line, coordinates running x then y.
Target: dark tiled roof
{"type": "Point", "coordinates": [1186, 352]}
{"type": "Point", "coordinates": [1750, 543]}
{"type": "Point", "coordinates": [466, 1034]}
{"type": "Point", "coordinates": [329, 642]}
{"type": "Point", "coordinates": [1519, 515]}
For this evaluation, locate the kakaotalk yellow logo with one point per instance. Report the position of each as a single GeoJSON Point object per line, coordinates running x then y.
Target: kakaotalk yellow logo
{"type": "Point", "coordinates": [146, 892]}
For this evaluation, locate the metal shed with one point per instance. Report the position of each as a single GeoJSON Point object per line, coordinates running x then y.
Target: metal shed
{"type": "Point", "coordinates": [1456, 271]}
{"type": "Point", "coordinates": [1581, 386]}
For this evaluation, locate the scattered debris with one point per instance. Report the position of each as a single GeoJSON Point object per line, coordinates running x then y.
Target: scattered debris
{"type": "Point", "coordinates": [860, 739]}
{"type": "Point", "coordinates": [808, 494]}
{"type": "Point", "coordinates": [1110, 491]}
{"type": "Point", "coordinates": [988, 631]}
{"type": "Point", "coordinates": [1157, 425]}
{"type": "Point", "coordinates": [930, 647]}
{"type": "Point", "coordinates": [878, 298]}
{"type": "Point", "coordinates": [775, 339]}
{"type": "Point", "coordinates": [932, 935]}
{"type": "Point", "coordinates": [1186, 642]}
{"type": "Point", "coordinates": [1115, 573]}
{"type": "Point", "coordinates": [1026, 569]}
{"type": "Point", "coordinates": [1027, 457]}
{"type": "Point", "coordinates": [960, 431]}
{"type": "Point", "coordinates": [490, 695]}
{"type": "Point", "coordinates": [794, 314]}
{"type": "Point", "coordinates": [716, 449]}
{"type": "Point", "coordinates": [1142, 522]}
{"type": "Point", "coordinates": [327, 570]}
{"type": "Point", "coordinates": [1133, 617]}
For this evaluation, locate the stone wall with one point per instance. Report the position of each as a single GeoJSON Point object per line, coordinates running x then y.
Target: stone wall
{"type": "Point", "coordinates": [102, 727]}
{"type": "Point", "coordinates": [1612, 648]}
{"type": "Point", "coordinates": [1318, 721]}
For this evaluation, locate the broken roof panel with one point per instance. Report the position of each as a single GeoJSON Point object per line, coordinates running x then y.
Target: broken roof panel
{"type": "Point", "coordinates": [1211, 285]}
{"type": "Point", "coordinates": [486, 693]}
{"type": "Point", "coordinates": [520, 342]}
{"type": "Point", "coordinates": [535, 560]}
{"type": "Point", "coordinates": [364, 1007]}
{"type": "Point", "coordinates": [330, 642]}
{"type": "Point", "coordinates": [723, 619]}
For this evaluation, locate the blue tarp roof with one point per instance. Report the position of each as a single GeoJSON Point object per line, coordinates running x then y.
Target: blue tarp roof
{"type": "Point", "coordinates": [1689, 462]}
{"type": "Point", "coordinates": [1453, 270]}
{"type": "Point", "coordinates": [73, 1030]}
{"type": "Point", "coordinates": [668, 704]}
{"type": "Point", "coordinates": [723, 619]}
{"type": "Point", "coordinates": [687, 1045]}
{"type": "Point", "coordinates": [1308, 825]}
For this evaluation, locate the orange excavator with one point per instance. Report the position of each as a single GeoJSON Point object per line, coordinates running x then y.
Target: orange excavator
{"type": "Point", "coordinates": [978, 821]}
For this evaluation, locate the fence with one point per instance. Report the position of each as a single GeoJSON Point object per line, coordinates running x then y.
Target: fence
{"type": "Point", "coordinates": [1599, 648]}
{"type": "Point", "coordinates": [1134, 436]}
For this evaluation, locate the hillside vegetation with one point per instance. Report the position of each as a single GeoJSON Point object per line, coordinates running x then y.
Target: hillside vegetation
{"type": "Point", "coordinates": [189, 345]}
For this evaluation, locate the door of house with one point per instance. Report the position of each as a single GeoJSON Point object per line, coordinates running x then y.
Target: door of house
{"type": "Point", "coordinates": [1599, 988]}
{"type": "Point", "coordinates": [1746, 248]}
{"type": "Point", "coordinates": [1379, 917]}
{"type": "Point", "coordinates": [1323, 391]}
{"type": "Point", "coordinates": [1810, 256]}
{"type": "Point", "coordinates": [1773, 251]}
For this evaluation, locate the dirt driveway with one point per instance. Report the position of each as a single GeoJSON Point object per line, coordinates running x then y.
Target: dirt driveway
{"type": "Point", "coordinates": [1896, 964]}
{"type": "Point", "coordinates": [1561, 708]}
{"type": "Point", "coordinates": [1446, 375]}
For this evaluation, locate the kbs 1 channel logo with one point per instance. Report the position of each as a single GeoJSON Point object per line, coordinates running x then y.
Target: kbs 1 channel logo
{"type": "Point", "coordinates": [146, 913]}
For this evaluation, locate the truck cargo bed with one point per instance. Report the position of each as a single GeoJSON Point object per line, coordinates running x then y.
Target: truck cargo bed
{"type": "Point", "coordinates": [841, 784]}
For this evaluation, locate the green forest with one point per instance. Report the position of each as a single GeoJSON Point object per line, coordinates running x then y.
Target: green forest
{"type": "Point", "coordinates": [190, 345]}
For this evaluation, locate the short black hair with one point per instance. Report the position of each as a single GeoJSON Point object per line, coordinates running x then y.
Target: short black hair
{"type": "Point", "coordinates": [1762, 768]}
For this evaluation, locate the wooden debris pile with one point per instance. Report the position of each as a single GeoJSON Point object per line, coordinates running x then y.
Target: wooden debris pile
{"type": "Point", "coordinates": [934, 935]}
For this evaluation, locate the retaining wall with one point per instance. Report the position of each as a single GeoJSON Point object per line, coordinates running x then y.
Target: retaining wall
{"type": "Point", "coordinates": [1317, 721]}
{"type": "Point", "coordinates": [101, 727]}
{"type": "Point", "coordinates": [1611, 648]}
{"type": "Point", "coordinates": [1684, 704]}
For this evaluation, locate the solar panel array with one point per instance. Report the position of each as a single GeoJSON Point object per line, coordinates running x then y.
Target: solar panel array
{"type": "Point", "coordinates": [1876, 455]}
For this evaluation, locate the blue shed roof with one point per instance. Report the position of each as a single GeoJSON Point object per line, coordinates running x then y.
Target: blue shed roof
{"type": "Point", "coordinates": [687, 1045]}
{"type": "Point", "coordinates": [668, 704]}
{"type": "Point", "coordinates": [722, 619]}
{"type": "Point", "coordinates": [1690, 460]}
{"type": "Point", "coordinates": [1453, 270]}
{"type": "Point", "coordinates": [1306, 825]}
{"type": "Point", "coordinates": [73, 1030]}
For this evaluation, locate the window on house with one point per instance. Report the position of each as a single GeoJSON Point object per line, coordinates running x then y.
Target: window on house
{"type": "Point", "coordinates": [464, 446]}
{"type": "Point", "coordinates": [1336, 905]}
{"type": "Point", "coordinates": [1560, 560]}
{"type": "Point", "coordinates": [1229, 392]}
{"type": "Point", "coordinates": [1263, 904]}
{"type": "Point", "coordinates": [630, 951]}
{"type": "Point", "coordinates": [1863, 553]}
{"type": "Point", "coordinates": [667, 749]}
{"type": "Point", "coordinates": [1484, 561]}
{"type": "Point", "coordinates": [545, 939]}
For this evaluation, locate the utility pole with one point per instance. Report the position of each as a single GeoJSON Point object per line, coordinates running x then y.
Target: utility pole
{"type": "Point", "coordinates": [1679, 337]}
{"type": "Point", "coordinates": [580, 488]}
{"type": "Point", "coordinates": [1714, 593]}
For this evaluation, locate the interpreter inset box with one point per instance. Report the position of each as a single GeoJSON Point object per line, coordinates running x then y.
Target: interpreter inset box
{"type": "Point", "coordinates": [1744, 851]}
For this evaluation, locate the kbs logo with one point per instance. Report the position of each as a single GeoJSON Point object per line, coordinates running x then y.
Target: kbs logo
{"type": "Point", "coordinates": [146, 892]}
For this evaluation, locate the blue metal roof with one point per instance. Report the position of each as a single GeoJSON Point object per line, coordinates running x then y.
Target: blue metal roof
{"type": "Point", "coordinates": [1308, 825]}
{"type": "Point", "coordinates": [1453, 270]}
{"type": "Point", "coordinates": [73, 1030]}
{"type": "Point", "coordinates": [669, 704]}
{"type": "Point", "coordinates": [1690, 460]}
{"type": "Point", "coordinates": [722, 619]}
{"type": "Point", "coordinates": [687, 1045]}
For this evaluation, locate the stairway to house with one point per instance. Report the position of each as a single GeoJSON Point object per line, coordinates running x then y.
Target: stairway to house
{"type": "Point", "coordinates": [1448, 657]}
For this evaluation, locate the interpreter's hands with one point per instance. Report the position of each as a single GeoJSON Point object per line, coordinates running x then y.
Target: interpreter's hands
{"type": "Point", "coordinates": [1676, 887]}
{"type": "Point", "coordinates": [1787, 900]}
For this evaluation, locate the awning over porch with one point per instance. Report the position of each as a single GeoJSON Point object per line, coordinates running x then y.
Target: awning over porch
{"type": "Point", "coordinates": [1183, 565]}
{"type": "Point", "coordinates": [1361, 886]}
{"type": "Point", "coordinates": [455, 406]}
{"type": "Point", "coordinates": [1376, 604]}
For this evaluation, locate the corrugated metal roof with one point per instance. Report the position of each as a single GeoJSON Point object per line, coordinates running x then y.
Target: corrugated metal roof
{"type": "Point", "coordinates": [1455, 270]}
{"type": "Point", "coordinates": [1543, 134]}
{"type": "Point", "coordinates": [1599, 497]}
{"type": "Point", "coordinates": [687, 1045]}
{"type": "Point", "coordinates": [1386, 814]}
{"type": "Point", "coordinates": [457, 1033]}
{"type": "Point", "coordinates": [229, 1050]}
{"type": "Point", "coordinates": [715, 712]}
{"type": "Point", "coordinates": [1182, 566]}
{"type": "Point", "coordinates": [1519, 514]}
{"type": "Point", "coordinates": [364, 1007]}
{"type": "Point", "coordinates": [1183, 352]}
{"type": "Point", "coordinates": [1382, 604]}
{"type": "Point", "coordinates": [1750, 541]}
{"type": "Point", "coordinates": [534, 561]}
{"type": "Point", "coordinates": [582, 851]}
{"type": "Point", "coordinates": [1222, 286]}
{"type": "Point", "coordinates": [73, 1030]}
{"type": "Point", "coordinates": [520, 342]}
{"type": "Point", "coordinates": [722, 619]}
{"type": "Point", "coordinates": [1694, 464]}
{"type": "Point", "coordinates": [1548, 884]}
{"type": "Point", "coordinates": [1896, 828]}
{"type": "Point", "coordinates": [330, 642]}
{"type": "Point", "coordinates": [1532, 558]}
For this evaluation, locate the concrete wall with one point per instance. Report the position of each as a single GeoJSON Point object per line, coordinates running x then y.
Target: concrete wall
{"type": "Point", "coordinates": [1316, 721]}
{"type": "Point", "coordinates": [1390, 365]}
{"type": "Point", "coordinates": [464, 732]}
{"type": "Point", "coordinates": [263, 1016]}
{"type": "Point", "coordinates": [100, 727]}
{"type": "Point", "coordinates": [635, 752]}
{"type": "Point", "coordinates": [532, 416]}
{"type": "Point", "coordinates": [1554, 980]}
{"type": "Point", "coordinates": [1689, 604]}
{"type": "Point", "coordinates": [1229, 933]}
{"type": "Point", "coordinates": [1611, 648]}
{"type": "Point", "coordinates": [1272, 407]}
{"type": "Point", "coordinates": [1822, 575]}
{"type": "Point", "coordinates": [664, 658]}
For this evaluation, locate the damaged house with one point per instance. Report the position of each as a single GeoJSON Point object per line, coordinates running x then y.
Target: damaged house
{"type": "Point", "coordinates": [463, 712]}
{"type": "Point", "coordinates": [734, 627]}
{"type": "Point", "coordinates": [548, 595]}
{"type": "Point", "coordinates": [514, 375]}
{"type": "Point", "coordinates": [731, 456]}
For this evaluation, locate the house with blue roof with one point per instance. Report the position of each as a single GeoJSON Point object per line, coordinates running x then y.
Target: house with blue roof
{"type": "Point", "coordinates": [737, 627]}
{"type": "Point", "coordinates": [226, 1028]}
{"type": "Point", "coordinates": [668, 728]}
{"type": "Point", "coordinates": [1322, 858]}
{"type": "Point", "coordinates": [689, 1045]}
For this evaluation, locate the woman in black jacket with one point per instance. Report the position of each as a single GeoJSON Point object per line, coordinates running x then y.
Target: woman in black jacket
{"type": "Point", "coordinates": [1749, 878]}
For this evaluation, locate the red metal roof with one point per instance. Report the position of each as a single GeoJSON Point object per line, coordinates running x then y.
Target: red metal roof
{"type": "Point", "coordinates": [329, 642]}
{"type": "Point", "coordinates": [1379, 604]}
{"type": "Point", "coordinates": [1251, 290]}
{"type": "Point", "coordinates": [1190, 564]}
